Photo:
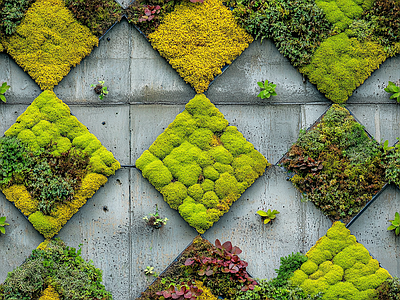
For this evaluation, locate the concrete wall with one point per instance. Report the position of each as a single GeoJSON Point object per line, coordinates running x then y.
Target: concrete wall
{"type": "Point", "coordinates": [145, 96]}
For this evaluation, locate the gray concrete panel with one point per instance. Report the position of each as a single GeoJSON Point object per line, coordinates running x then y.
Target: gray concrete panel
{"type": "Point", "coordinates": [153, 247]}
{"type": "Point", "coordinates": [370, 230]}
{"type": "Point", "coordinates": [259, 62]}
{"type": "Point", "coordinates": [9, 114]}
{"type": "Point", "coordinates": [380, 120]}
{"type": "Point", "coordinates": [298, 226]}
{"type": "Point", "coordinates": [102, 225]}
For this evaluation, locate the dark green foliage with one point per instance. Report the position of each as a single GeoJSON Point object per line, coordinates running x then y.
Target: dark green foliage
{"type": "Point", "coordinates": [11, 14]}
{"type": "Point", "coordinates": [267, 290]}
{"type": "Point", "coordinates": [59, 266]}
{"type": "Point", "coordinates": [97, 15]}
{"type": "Point", "coordinates": [147, 15]}
{"type": "Point", "coordinates": [384, 17]}
{"type": "Point", "coordinates": [296, 27]}
{"type": "Point", "coordinates": [289, 264]}
{"type": "Point", "coordinates": [389, 290]}
{"type": "Point", "coordinates": [336, 165]}
{"type": "Point", "coordinates": [392, 161]}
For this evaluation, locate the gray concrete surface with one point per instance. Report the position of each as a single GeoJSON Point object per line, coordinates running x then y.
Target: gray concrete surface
{"type": "Point", "coordinates": [145, 96]}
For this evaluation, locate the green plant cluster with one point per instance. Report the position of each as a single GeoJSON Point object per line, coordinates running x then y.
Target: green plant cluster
{"type": "Point", "coordinates": [97, 15]}
{"type": "Point", "coordinates": [200, 164]}
{"type": "Point", "coordinates": [336, 165]}
{"type": "Point", "coordinates": [11, 14]}
{"type": "Point", "coordinates": [389, 290]}
{"type": "Point", "coordinates": [340, 268]}
{"type": "Point", "coordinates": [58, 266]}
{"type": "Point", "coordinates": [296, 27]}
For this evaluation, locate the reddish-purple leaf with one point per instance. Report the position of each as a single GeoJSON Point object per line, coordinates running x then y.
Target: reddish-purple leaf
{"type": "Point", "coordinates": [236, 250]}
{"type": "Point", "coordinates": [227, 246]}
{"type": "Point", "coordinates": [189, 262]}
{"type": "Point", "coordinates": [218, 243]}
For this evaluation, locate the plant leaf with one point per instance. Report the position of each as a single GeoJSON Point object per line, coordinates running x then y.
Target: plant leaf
{"type": "Point", "coordinates": [262, 213]}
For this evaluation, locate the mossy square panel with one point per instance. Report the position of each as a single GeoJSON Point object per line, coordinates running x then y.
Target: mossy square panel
{"type": "Point", "coordinates": [198, 39]}
{"type": "Point", "coordinates": [48, 42]}
{"type": "Point", "coordinates": [51, 164]}
{"type": "Point", "coordinates": [200, 164]}
{"type": "Point", "coordinates": [340, 268]}
{"type": "Point", "coordinates": [336, 164]}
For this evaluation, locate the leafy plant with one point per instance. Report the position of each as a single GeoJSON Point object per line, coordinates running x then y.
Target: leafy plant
{"type": "Point", "coordinates": [289, 264]}
{"type": "Point", "coordinates": [11, 13]}
{"type": "Point", "coordinates": [185, 290]}
{"type": "Point", "coordinates": [155, 220]}
{"type": "Point", "coordinates": [386, 147]}
{"type": "Point", "coordinates": [3, 88]}
{"type": "Point", "coordinates": [150, 271]}
{"type": "Point", "coordinates": [390, 289]}
{"type": "Point", "coordinates": [267, 89]}
{"type": "Point", "coordinates": [268, 216]}
{"type": "Point", "coordinates": [100, 89]}
{"type": "Point", "coordinates": [395, 224]}
{"type": "Point", "coordinates": [393, 89]}
{"type": "Point", "coordinates": [3, 224]}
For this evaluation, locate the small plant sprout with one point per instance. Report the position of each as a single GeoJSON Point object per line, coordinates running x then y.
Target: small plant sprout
{"type": "Point", "coordinates": [2, 224]}
{"type": "Point", "coordinates": [154, 220]}
{"type": "Point", "coordinates": [395, 224]}
{"type": "Point", "coordinates": [393, 89]}
{"type": "Point", "coordinates": [100, 89]}
{"type": "Point", "coordinates": [386, 147]}
{"type": "Point", "coordinates": [267, 89]}
{"type": "Point", "coordinates": [268, 216]}
{"type": "Point", "coordinates": [149, 271]}
{"type": "Point", "coordinates": [3, 88]}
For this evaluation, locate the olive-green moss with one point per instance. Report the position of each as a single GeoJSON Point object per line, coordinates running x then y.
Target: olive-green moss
{"type": "Point", "coordinates": [341, 64]}
{"type": "Point", "coordinates": [344, 272]}
{"type": "Point", "coordinates": [48, 42]}
{"type": "Point", "coordinates": [200, 152]}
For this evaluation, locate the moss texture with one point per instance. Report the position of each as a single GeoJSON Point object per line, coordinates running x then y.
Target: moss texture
{"type": "Point", "coordinates": [198, 40]}
{"type": "Point", "coordinates": [336, 165]}
{"type": "Point", "coordinates": [346, 271]}
{"type": "Point", "coordinates": [200, 164]}
{"type": "Point", "coordinates": [48, 120]}
{"type": "Point", "coordinates": [48, 42]}
{"type": "Point", "coordinates": [50, 294]}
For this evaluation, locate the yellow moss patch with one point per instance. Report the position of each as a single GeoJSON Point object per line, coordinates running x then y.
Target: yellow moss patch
{"type": "Point", "coordinates": [47, 120]}
{"type": "Point", "coordinates": [206, 295]}
{"type": "Point", "coordinates": [48, 42]}
{"type": "Point", "coordinates": [345, 268]}
{"type": "Point", "coordinates": [199, 39]}
{"type": "Point", "coordinates": [50, 294]}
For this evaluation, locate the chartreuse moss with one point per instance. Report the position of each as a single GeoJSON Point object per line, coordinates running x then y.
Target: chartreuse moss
{"type": "Point", "coordinates": [346, 271]}
{"type": "Point", "coordinates": [198, 40]}
{"type": "Point", "coordinates": [50, 294]}
{"type": "Point", "coordinates": [200, 164]}
{"type": "Point", "coordinates": [48, 120]}
{"type": "Point", "coordinates": [48, 42]}
{"type": "Point", "coordinates": [206, 295]}
{"type": "Point", "coordinates": [341, 64]}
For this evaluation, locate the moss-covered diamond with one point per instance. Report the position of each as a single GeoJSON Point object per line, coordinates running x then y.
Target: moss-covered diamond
{"type": "Point", "coordinates": [48, 42]}
{"type": "Point", "coordinates": [200, 164]}
{"type": "Point", "coordinates": [336, 165]}
{"type": "Point", "coordinates": [51, 164]}
{"type": "Point", "coordinates": [340, 268]}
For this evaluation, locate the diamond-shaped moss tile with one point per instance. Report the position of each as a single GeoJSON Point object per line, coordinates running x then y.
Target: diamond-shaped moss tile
{"type": "Point", "coordinates": [200, 164]}
{"type": "Point", "coordinates": [48, 42]}
{"type": "Point", "coordinates": [198, 39]}
{"type": "Point", "coordinates": [336, 165]}
{"type": "Point", "coordinates": [54, 271]}
{"type": "Point", "coordinates": [340, 268]}
{"type": "Point", "coordinates": [206, 271]}
{"type": "Point", "coordinates": [51, 164]}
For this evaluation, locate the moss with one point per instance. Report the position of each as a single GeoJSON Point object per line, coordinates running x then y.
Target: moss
{"type": "Point", "coordinates": [42, 42]}
{"type": "Point", "coordinates": [222, 40]}
{"type": "Point", "coordinates": [87, 142]}
{"type": "Point", "coordinates": [309, 267]}
{"type": "Point", "coordinates": [313, 287]}
{"type": "Point", "coordinates": [194, 155]}
{"type": "Point", "coordinates": [298, 277]}
{"type": "Point", "coordinates": [210, 173]}
{"type": "Point", "coordinates": [174, 194]}
{"type": "Point", "coordinates": [235, 142]}
{"type": "Point", "coordinates": [46, 225]}
{"type": "Point", "coordinates": [350, 255]}
{"type": "Point", "coordinates": [21, 198]}
{"type": "Point", "coordinates": [206, 295]}
{"type": "Point", "coordinates": [50, 294]}
{"type": "Point", "coordinates": [341, 64]}
{"type": "Point", "coordinates": [318, 256]}
{"type": "Point", "coordinates": [103, 162]}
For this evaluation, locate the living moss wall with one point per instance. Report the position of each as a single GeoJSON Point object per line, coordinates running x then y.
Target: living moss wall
{"type": "Point", "coordinates": [145, 96]}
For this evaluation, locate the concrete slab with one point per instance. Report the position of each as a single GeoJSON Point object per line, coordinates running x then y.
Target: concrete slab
{"type": "Point", "coordinates": [298, 226]}
{"type": "Point", "coordinates": [380, 120]}
{"type": "Point", "coordinates": [370, 230]}
{"type": "Point", "coordinates": [259, 62]}
{"type": "Point", "coordinates": [102, 225]}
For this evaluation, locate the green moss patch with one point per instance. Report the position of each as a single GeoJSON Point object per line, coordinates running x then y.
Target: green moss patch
{"type": "Point", "coordinates": [48, 42]}
{"type": "Point", "coordinates": [345, 271]}
{"type": "Point", "coordinates": [57, 268]}
{"type": "Point", "coordinates": [200, 164]}
{"type": "Point", "coordinates": [51, 164]}
{"type": "Point", "coordinates": [336, 165]}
